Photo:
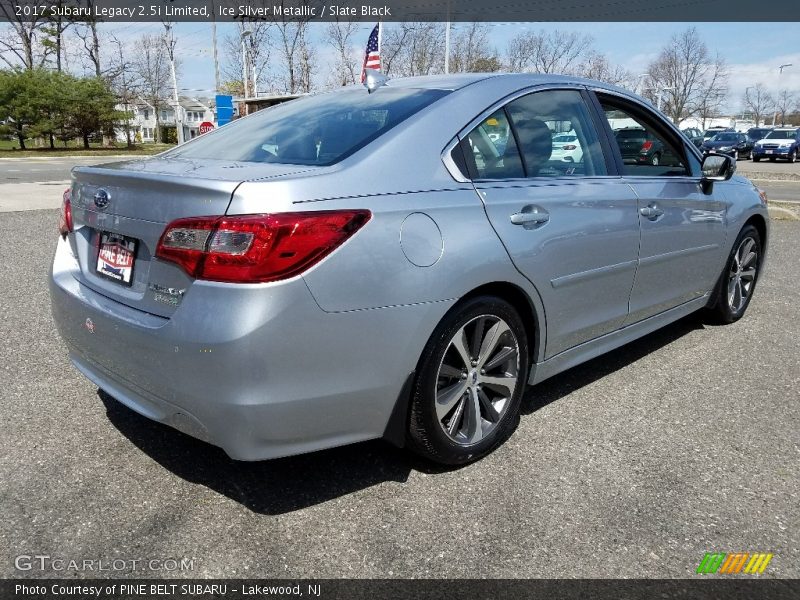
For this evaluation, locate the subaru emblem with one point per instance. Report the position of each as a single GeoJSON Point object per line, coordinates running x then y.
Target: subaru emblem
{"type": "Point", "coordinates": [101, 199]}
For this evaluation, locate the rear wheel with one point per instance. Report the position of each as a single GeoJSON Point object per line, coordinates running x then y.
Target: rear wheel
{"type": "Point", "coordinates": [756, 158]}
{"type": "Point", "coordinates": [738, 281]}
{"type": "Point", "coordinates": [470, 383]}
{"type": "Point", "coordinates": [656, 160]}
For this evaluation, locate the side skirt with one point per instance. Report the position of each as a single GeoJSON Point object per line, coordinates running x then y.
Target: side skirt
{"type": "Point", "coordinates": [610, 341]}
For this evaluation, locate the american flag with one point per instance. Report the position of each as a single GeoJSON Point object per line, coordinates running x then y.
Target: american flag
{"type": "Point", "coordinates": [372, 58]}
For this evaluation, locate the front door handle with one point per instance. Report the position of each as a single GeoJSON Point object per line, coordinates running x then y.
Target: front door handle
{"type": "Point", "coordinates": [652, 211]}
{"type": "Point", "coordinates": [530, 217]}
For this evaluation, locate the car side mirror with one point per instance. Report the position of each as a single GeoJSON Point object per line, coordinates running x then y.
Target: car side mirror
{"type": "Point", "coordinates": [717, 167]}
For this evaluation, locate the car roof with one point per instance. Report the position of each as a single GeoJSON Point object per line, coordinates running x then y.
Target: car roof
{"type": "Point", "coordinates": [461, 80]}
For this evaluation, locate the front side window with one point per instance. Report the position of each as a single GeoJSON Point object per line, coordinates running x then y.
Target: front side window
{"type": "Point", "coordinates": [316, 130]}
{"type": "Point", "coordinates": [542, 134]}
{"type": "Point", "coordinates": [645, 149]}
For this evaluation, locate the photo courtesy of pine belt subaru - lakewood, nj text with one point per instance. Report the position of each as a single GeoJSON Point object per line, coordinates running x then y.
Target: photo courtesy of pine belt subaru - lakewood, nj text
{"type": "Point", "coordinates": [395, 262]}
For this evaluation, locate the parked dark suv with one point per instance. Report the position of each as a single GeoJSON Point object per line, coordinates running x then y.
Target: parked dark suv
{"type": "Point", "coordinates": [639, 146]}
{"type": "Point", "coordinates": [694, 135]}
{"type": "Point", "coordinates": [778, 143]}
{"type": "Point", "coordinates": [755, 134]}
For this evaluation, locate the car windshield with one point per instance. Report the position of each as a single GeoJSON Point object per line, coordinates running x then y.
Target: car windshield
{"type": "Point", "coordinates": [317, 130]}
{"type": "Point", "coordinates": [724, 137]}
{"type": "Point", "coordinates": [781, 135]}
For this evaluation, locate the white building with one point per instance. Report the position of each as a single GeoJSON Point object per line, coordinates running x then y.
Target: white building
{"type": "Point", "coordinates": [194, 111]}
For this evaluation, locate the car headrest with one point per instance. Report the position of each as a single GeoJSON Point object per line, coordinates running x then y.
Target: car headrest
{"type": "Point", "coordinates": [536, 143]}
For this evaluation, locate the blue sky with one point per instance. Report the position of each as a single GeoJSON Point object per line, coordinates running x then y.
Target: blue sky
{"type": "Point", "coordinates": [753, 50]}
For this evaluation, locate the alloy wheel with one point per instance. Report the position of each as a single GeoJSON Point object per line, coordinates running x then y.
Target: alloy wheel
{"type": "Point", "coordinates": [476, 379]}
{"type": "Point", "coordinates": [742, 275]}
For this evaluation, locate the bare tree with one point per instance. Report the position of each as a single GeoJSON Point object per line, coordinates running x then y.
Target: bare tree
{"type": "Point", "coordinates": [152, 68]}
{"type": "Point", "coordinates": [339, 35]}
{"type": "Point", "coordinates": [759, 102]}
{"type": "Point", "coordinates": [597, 66]}
{"type": "Point", "coordinates": [411, 49]}
{"type": "Point", "coordinates": [21, 41]}
{"type": "Point", "coordinates": [542, 52]}
{"type": "Point", "coordinates": [472, 52]}
{"type": "Point", "coordinates": [783, 104]}
{"type": "Point", "coordinates": [124, 83]}
{"type": "Point", "coordinates": [257, 45]}
{"type": "Point", "coordinates": [87, 33]}
{"type": "Point", "coordinates": [688, 76]}
{"type": "Point", "coordinates": [295, 52]}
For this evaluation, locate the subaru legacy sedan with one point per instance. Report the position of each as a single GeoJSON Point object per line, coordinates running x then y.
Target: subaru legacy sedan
{"type": "Point", "coordinates": [398, 262]}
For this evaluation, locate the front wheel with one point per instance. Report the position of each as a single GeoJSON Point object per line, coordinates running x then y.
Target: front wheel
{"type": "Point", "coordinates": [756, 158]}
{"type": "Point", "coordinates": [470, 381]}
{"type": "Point", "coordinates": [735, 155]}
{"type": "Point", "coordinates": [738, 281]}
{"type": "Point", "coordinates": [793, 156]}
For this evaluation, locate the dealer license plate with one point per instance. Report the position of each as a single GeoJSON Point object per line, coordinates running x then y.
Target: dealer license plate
{"type": "Point", "coordinates": [115, 257]}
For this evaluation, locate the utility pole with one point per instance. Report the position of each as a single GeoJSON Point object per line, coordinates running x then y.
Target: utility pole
{"type": "Point", "coordinates": [170, 42]}
{"type": "Point", "coordinates": [214, 43]}
{"type": "Point", "coordinates": [244, 36]}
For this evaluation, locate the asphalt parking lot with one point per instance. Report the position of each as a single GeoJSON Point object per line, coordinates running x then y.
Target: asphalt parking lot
{"type": "Point", "coordinates": [633, 465]}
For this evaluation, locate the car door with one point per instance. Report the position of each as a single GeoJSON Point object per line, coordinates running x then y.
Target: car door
{"type": "Point", "coordinates": [570, 227]}
{"type": "Point", "coordinates": [682, 224]}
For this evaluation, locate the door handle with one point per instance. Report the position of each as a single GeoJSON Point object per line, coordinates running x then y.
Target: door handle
{"type": "Point", "coordinates": [652, 212]}
{"type": "Point", "coordinates": [530, 216]}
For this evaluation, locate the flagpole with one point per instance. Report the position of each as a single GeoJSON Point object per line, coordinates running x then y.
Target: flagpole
{"type": "Point", "coordinates": [447, 42]}
{"type": "Point", "coordinates": [380, 40]}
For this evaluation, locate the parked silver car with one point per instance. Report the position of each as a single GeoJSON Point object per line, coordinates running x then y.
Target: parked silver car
{"type": "Point", "coordinates": [397, 263]}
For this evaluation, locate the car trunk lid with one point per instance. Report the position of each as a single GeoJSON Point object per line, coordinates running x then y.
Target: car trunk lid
{"type": "Point", "coordinates": [120, 211]}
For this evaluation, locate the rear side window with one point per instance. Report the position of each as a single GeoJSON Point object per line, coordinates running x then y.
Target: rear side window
{"type": "Point", "coordinates": [542, 134]}
{"type": "Point", "coordinates": [317, 130]}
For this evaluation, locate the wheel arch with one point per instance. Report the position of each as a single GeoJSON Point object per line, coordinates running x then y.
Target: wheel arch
{"type": "Point", "coordinates": [532, 315]}
{"type": "Point", "coordinates": [760, 223]}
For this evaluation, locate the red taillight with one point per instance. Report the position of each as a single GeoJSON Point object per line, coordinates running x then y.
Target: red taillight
{"type": "Point", "coordinates": [65, 219]}
{"type": "Point", "coordinates": [256, 248]}
{"type": "Point", "coordinates": [646, 147]}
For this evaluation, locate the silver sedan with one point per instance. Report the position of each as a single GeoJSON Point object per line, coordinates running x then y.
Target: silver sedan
{"type": "Point", "coordinates": [397, 262]}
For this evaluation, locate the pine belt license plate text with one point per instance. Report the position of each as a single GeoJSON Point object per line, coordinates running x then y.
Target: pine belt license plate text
{"type": "Point", "coordinates": [115, 257]}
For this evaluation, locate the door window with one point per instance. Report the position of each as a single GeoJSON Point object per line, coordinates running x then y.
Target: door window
{"type": "Point", "coordinates": [646, 150]}
{"type": "Point", "coordinates": [543, 134]}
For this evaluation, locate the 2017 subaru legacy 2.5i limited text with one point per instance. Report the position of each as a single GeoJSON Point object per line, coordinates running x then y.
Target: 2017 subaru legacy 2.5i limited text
{"type": "Point", "coordinates": [396, 262]}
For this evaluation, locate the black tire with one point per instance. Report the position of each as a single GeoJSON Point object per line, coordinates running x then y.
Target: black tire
{"type": "Point", "coordinates": [426, 430]}
{"type": "Point", "coordinates": [772, 159]}
{"type": "Point", "coordinates": [723, 309]}
{"type": "Point", "coordinates": [792, 157]}
{"type": "Point", "coordinates": [656, 160]}
{"type": "Point", "coordinates": [756, 158]}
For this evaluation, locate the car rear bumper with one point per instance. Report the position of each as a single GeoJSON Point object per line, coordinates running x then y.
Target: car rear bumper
{"type": "Point", "coordinates": [259, 370]}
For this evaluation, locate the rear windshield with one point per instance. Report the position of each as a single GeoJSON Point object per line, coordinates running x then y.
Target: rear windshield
{"type": "Point", "coordinates": [631, 134]}
{"type": "Point", "coordinates": [317, 130]}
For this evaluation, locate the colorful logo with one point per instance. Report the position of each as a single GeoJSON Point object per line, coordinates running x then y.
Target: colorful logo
{"type": "Point", "coordinates": [738, 562]}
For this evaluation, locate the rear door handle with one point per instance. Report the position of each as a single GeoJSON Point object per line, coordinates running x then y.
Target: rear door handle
{"type": "Point", "coordinates": [652, 212]}
{"type": "Point", "coordinates": [530, 216]}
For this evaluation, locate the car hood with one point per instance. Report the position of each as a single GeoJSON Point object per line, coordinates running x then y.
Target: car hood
{"type": "Point", "coordinates": [715, 144]}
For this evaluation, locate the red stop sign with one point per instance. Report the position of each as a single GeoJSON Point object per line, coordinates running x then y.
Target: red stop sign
{"type": "Point", "coordinates": [206, 126]}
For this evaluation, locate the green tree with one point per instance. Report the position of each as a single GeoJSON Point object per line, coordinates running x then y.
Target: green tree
{"type": "Point", "coordinates": [24, 100]}
{"type": "Point", "coordinates": [91, 108]}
